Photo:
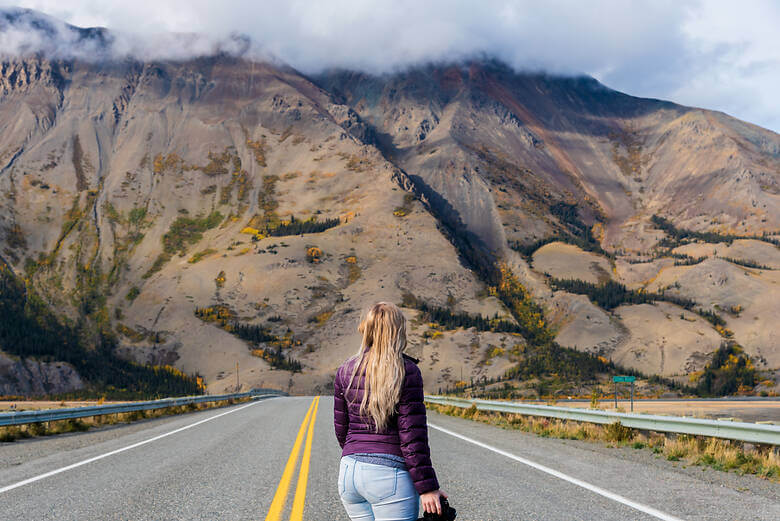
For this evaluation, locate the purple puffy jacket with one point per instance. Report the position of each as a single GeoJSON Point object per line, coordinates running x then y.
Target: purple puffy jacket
{"type": "Point", "coordinates": [406, 434]}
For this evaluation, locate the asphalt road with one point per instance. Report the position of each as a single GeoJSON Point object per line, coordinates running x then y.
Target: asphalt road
{"type": "Point", "coordinates": [228, 464]}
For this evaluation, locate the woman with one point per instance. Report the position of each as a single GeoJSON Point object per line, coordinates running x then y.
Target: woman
{"type": "Point", "coordinates": [379, 417]}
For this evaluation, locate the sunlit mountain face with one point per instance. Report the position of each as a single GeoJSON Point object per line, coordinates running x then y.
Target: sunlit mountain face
{"type": "Point", "coordinates": [205, 212]}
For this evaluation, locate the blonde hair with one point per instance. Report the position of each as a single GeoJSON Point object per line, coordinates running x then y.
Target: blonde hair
{"type": "Point", "coordinates": [379, 359]}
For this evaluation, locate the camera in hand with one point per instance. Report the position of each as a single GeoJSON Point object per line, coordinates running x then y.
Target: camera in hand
{"type": "Point", "coordinates": [447, 512]}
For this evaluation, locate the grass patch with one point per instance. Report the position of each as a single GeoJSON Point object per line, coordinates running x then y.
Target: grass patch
{"type": "Point", "coordinates": [130, 333]}
{"type": "Point", "coordinates": [132, 294]}
{"type": "Point", "coordinates": [201, 255]}
{"type": "Point", "coordinates": [719, 454]}
{"type": "Point", "coordinates": [184, 232]}
{"type": "Point", "coordinates": [354, 271]}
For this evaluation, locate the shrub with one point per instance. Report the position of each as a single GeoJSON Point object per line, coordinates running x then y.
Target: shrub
{"type": "Point", "coordinates": [313, 255]}
{"type": "Point", "coordinates": [618, 432]}
{"type": "Point", "coordinates": [201, 255]}
{"type": "Point", "coordinates": [132, 294]}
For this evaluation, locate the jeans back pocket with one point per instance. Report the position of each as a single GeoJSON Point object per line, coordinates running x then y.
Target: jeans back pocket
{"type": "Point", "coordinates": [377, 482]}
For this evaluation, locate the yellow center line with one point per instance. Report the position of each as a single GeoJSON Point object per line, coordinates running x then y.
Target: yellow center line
{"type": "Point", "coordinates": [303, 475]}
{"type": "Point", "coordinates": [277, 505]}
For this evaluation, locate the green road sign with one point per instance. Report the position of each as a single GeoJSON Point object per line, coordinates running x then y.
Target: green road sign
{"type": "Point", "coordinates": [623, 378]}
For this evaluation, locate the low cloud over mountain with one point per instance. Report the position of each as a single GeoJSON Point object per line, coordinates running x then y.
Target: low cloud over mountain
{"type": "Point", "coordinates": [717, 54]}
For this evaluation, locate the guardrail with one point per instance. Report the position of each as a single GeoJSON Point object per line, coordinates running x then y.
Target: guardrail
{"type": "Point", "coordinates": [22, 417]}
{"type": "Point", "coordinates": [731, 430]}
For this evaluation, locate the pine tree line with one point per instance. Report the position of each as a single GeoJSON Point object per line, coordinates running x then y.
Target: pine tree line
{"type": "Point", "coordinates": [252, 333]}
{"type": "Point", "coordinates": [611, 294]}
{"type": "Point", "coordinates": [452, 320]}
{"type": "Point", "coordinates": [298, 227]}
{"type": "Point", "coordinates": [678, 235]}
{"type": "Point", "coordinates": [729, 370]}
{"type": "Point", "coordinates": [28, 329]}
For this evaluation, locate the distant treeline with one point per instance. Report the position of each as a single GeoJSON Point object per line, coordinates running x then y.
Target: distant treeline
{"type": "Point", "coordinates": [580, 232]}
{"type": "Point", "coordinates": [548, 384]}
{"type": "Point", "coordinates": [566, 363]}
{"type": "Point", "coordinates": [574, 231]}
{"type": "Point", "coordinates": [452, 320]}
{"type": "Point", "coordinates": [297, 226]}
{"type": "Point", "coordinates": [29, 329]}
{"type": "Point", "coordinates": [747, 263]}
{"type": "Point", "coordinates": [277, 359]}
{"type": "Point", "coordinates": [611, 294]}
{"type": "Point", "coordinates": [254, 334]}
{"type": "Point", "coordinates": [729, 370]}
{"type": "Point", "coordinates": [687, 260]}
{"type": "Point", "coordinates": [678, 235]}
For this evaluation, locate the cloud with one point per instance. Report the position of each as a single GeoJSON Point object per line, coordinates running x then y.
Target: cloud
{"type": "Point", "coordinates": [712, 53]}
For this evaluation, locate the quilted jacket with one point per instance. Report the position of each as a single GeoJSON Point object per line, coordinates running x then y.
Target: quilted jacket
{"type": "Point", "coordinates": [406, 434]}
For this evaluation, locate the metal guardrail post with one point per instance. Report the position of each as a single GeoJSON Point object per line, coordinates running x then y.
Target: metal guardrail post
{"type": "Point", "coordinates": [732, 430]}
{"type": "Point", "coordinates": [23, 417]}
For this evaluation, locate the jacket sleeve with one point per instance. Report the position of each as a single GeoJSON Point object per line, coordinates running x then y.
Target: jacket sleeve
{"type": "Point", "coordinates": [413, 432]}
{"type": "Point", "coordinates": [340, 413]}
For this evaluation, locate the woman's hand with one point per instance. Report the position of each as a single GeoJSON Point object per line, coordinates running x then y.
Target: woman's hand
{"type": "Point", "coordinates": [431, 502]}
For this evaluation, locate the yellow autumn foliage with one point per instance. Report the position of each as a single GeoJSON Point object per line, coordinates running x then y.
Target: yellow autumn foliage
{"type": "Point", "coordinates": [314, 254]}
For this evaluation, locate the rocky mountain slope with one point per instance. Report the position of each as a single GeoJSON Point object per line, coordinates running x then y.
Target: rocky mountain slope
{"type": "Point", "coordinates": [221, 212]}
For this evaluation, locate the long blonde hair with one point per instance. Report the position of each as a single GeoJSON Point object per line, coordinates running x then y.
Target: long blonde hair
{"type": "Point", "coordinates": [380, 359]}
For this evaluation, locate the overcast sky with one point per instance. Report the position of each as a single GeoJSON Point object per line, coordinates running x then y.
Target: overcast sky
{"type": "Point", "coordinates": [717, 54]}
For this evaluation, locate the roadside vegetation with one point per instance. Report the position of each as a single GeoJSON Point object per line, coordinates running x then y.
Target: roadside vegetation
{"type": "Point", "coordinates": [29, 430]}
{"type": "Point", "coordinates": [730, 371]}
{"type": "Point", "coordinates": [719, 454]}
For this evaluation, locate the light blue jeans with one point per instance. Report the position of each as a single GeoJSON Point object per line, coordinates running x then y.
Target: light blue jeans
{"type": "Point", "coordinates": [376, 492]}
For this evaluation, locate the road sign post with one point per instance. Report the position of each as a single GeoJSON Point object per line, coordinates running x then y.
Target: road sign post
{"type": "Point", "coordinates": [627, 379]}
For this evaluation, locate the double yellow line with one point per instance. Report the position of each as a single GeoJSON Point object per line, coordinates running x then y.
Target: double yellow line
{"type": "Point", "coordinates": [280, 497]}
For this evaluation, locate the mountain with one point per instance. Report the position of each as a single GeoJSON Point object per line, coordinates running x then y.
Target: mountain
{"type": "Point", "coordinates": [218, 211]}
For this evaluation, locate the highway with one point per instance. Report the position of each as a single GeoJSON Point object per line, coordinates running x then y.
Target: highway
{"type": "Point", "coordinates": [266, 460]}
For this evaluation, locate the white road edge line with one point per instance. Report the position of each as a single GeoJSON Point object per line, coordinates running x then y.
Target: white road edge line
{"type": "Point", "coordinates": [593, 488]}
{"type": "Point", "coordinates": [117, 451]}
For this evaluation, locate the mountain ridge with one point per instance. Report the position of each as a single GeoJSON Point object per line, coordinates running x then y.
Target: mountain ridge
{"type": "Point", "coordinates": [138, 192]}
